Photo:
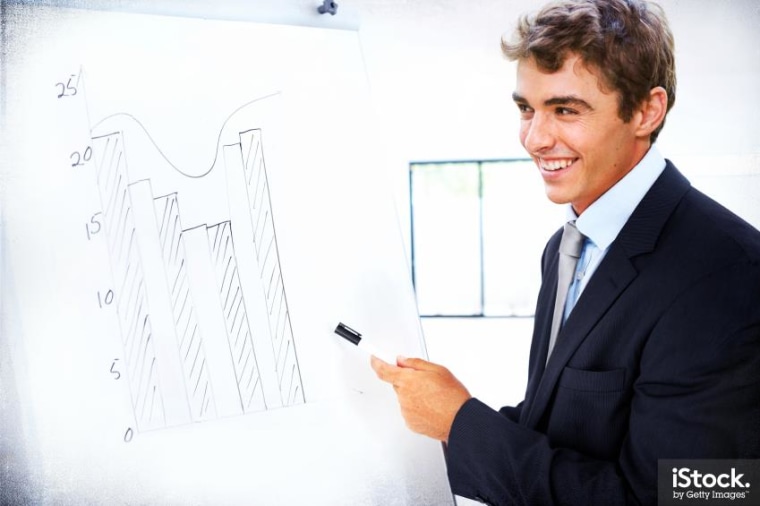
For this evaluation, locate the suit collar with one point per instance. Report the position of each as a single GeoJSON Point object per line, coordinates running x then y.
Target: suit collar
{"type": "Point", "coordinates": [638, 236]}
{"type": "Point", "coordinates": [644, 227]}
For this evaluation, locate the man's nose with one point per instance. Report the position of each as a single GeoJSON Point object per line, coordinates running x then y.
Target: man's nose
{"type": "Point", "coordinates": [538, 134]}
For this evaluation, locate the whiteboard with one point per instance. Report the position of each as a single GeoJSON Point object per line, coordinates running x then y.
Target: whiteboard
{"type": "Point", "coordinates": [189, 207]}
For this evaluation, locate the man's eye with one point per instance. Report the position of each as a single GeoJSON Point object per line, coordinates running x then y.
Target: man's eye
{"type": "Point", "coordinates": [523, 108]}
{"type": "Point", "coordinates": [564, 111]}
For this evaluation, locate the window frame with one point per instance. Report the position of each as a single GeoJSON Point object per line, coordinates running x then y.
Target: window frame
{"type": "Point", "coordinates": [479, 166]}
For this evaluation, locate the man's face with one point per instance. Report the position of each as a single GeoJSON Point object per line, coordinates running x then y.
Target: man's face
{"type": "Point", "coordinates": [572, 130]}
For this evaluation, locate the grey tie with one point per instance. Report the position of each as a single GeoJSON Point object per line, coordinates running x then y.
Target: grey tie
{"type": "Point", "coordinates": [569, 251]}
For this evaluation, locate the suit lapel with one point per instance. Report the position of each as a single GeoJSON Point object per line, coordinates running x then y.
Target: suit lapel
{"type": "Point", "coordinates": [611, 278]}
{"type": "Point", "coordinates": [542, 321]}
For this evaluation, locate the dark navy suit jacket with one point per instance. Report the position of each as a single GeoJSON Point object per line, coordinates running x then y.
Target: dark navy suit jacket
{"type": "Point", "coordinates": [660, 358]}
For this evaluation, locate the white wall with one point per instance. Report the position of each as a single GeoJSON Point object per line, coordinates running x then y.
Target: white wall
{"type": "Point", "coordinates": [442, 89]}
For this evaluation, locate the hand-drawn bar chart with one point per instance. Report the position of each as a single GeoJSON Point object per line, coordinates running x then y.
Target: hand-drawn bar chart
{"type": "Point", "coordinates": [268, 260]}
{"type": "Point", "coordinates": [193, 353]}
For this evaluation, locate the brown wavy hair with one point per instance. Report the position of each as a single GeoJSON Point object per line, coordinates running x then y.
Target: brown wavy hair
{"type": "Point", "coordinates": [628, 42]}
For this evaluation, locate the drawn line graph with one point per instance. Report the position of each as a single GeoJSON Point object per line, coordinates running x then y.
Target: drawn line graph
{"type": "Point", "coordinates": [200, 339]}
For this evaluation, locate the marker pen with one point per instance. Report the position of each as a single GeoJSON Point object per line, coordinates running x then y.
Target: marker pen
{"type": "Point", "coordinates": [355, 337]}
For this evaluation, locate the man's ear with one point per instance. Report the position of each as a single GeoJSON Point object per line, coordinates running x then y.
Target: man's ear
{"type": "Point", "coordinates": [651, 113]}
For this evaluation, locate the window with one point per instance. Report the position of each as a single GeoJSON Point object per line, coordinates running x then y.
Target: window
{"type": "Point", "coordinates": [478, 231]}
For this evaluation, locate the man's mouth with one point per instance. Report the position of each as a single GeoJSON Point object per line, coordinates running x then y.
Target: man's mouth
{"type": "Point", "coordinates": [554, 165]}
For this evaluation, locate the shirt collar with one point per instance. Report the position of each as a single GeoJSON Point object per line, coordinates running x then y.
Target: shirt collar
{"type": "Point", "coordinates": [603, 220]}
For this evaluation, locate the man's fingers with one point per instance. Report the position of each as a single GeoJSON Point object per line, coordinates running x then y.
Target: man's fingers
{"type": "Point", "coordinates": [383, 369]}
{"type": "Point", "coordinates": [406, 370]}
{"type": "Point", "coordinates": [417, 363]}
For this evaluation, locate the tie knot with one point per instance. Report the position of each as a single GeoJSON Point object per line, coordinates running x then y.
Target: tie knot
{"type": "Point", "coordinates": [572, 241]}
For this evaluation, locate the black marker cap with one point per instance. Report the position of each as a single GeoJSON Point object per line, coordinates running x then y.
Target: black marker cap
{"type": "Point", "coordinates": [348, 333]}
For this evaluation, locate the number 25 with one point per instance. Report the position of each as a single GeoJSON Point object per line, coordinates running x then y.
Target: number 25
{"type": "Point", "coordinates": [68, 89]}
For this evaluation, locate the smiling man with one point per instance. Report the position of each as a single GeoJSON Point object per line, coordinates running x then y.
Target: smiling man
{"type": "Point", "coordinates": [653, 352]}
{"type": "Point", "coordinates": [571, 127]}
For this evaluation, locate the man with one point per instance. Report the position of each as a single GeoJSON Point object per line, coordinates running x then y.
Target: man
{"type": "Point", "coordinates": [658, 350]}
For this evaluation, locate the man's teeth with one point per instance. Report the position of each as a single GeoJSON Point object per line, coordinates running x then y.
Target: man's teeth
{"type": "Point", "coordinates": [555, 164]}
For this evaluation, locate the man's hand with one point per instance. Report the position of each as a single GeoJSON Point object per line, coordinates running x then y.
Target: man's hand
{"type": "Point", "coordinates": [429, 395]}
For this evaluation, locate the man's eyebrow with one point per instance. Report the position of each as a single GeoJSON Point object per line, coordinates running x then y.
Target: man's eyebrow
{"type": "Point", "coordinates": [518, 98]}
{"type": "Point", "coordinates": [569, 100]}
{"type": "Point", "coordinates": [562, 100]}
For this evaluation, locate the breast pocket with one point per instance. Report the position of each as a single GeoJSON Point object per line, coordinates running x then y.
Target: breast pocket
{"type": "Point", "coordinates": [592, 381]}
{"type": "Point", "coordinates": [590, 411]}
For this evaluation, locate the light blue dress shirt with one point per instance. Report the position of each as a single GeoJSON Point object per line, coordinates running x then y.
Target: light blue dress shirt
{"type": "Point", "coordinates": [603, 220]}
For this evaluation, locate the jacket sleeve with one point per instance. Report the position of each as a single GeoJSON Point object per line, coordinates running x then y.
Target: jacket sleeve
{"type": "Point", "coordinates": [512, 412]}
{"type": "Point", "coordinates": [497, 461]}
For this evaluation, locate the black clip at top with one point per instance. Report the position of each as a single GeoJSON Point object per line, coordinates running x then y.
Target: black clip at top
{"type": "Point", "coordinates": [328, 6]}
